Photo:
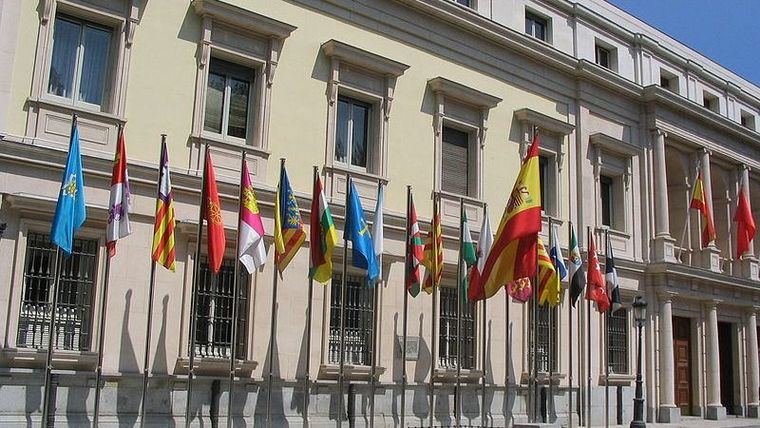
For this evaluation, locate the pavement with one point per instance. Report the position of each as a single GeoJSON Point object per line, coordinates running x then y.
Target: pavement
{"type": "Point", "coordinates": [695, 421]}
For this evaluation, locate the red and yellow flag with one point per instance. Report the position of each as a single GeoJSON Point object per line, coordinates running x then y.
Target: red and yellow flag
{"type": "Point", "coordinates": [549, 288]}
{"type": "Point", "coordinates": [745, 224]}
{"type": "Point", "coordinates": [596, 288]}
{"type": "Point", "coordinates": [433, 256]}
{"type": "Point", "coordinates": [699, 203]}
{"type": "Point", "coordinates": [163, 229]}
{"type": "Point", "coordinates": [213, 216]}
{"type": "Point", "coordinates": [513, 255]}
{"type": "Point", "coordinates": [289, 231]}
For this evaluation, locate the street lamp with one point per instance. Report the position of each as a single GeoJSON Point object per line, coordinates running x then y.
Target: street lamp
{"type": "Point", "coordinates": [640, 315]}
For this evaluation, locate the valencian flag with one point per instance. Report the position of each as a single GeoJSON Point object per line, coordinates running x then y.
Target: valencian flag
{"type": "Point", "coordinates": [745, 223]}
{"type": "Point", "coordinates": [595, 289]}
{"type": "Point", "coordinates": [377, 230]}
{"type": "Point", "coordinates": [433, 259]}
{"type": "Point", "coordinates": [70, 211]}
{"type": "Point", "coordinates": [289, 231]}
{"type": "Point", "coordinates": [251, 250]}
{"type": "Point", "coordinates": [548, 280]}
{"type": "Point", "coordinates": [213, 216]}
{"type": "Point", "coordinates": [163, 229]}
{"type": "Point", "coordinates": [416, 252]}
{"type": "Point", "coordinates": [577, 276]}
{"type": "Point", "coordinates": [357, 231]}
{"type": "Point", "coordinates": [513, 255]}
{"type": "Point", "coordinates": [323, 236]}
{"type": "Point", "coordinates": [485, 241]}
{"type": "Point", "coordinates": [699, 203]}
{"type": "Point", "coordinates": [468, 255]}
{"type": "Point", "coordinates": [611, 278]}
{"type": "Point", "coordinates": [120, 203]}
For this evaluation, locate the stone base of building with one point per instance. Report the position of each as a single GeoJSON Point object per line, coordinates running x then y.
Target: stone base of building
{"type": "Point", "coordinates": [715, 413]}
{"type": "Point", "coordinates": [753, 411]}
{"type": "Point", "coordinates": [537, 425]}
{"type": "Point", "coordinates": [669, 414]}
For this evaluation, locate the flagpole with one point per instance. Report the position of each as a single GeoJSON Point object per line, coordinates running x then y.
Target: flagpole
{"type": "Point", "coordinates": [534, 343]}
{"type": "Point", "coordinates": [193, 312]}
{"type": "Point", "coordinates": [306, 381]}
{"type": "Point", "coordinates": [406, 304]}
{"type": "Point", "coordinates": [101, 338]}
{"type": "Point", "coordinates": [343, 306]}
{"type": "Point", "coordinates": [606, 350]}
{"type": "Point", "coordinates": [433, 347]}
{"type": "Point", "coordinates": [588, 337]}
{"type": "Point", "coordinates": [457, 392]}
{"type": "Point", "coordinates": [508, 349]}
{"type": "Point", "coordinates": [235, 300]}
{"type": "Point", "coordinates": [375, 300]}
{"type": "Point", "coordinates": [484, 348]}
{"type": "Point", "coordinates": [272, 322]}
{"type": "Point", "coordinates": [569, 340]}
{"type": "Point", "coordinates": [552, 338]}
{"type": "Point", "coordinates": [51, 335]}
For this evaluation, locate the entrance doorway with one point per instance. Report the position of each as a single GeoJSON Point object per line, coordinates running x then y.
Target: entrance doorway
{"type": "Point", "coordinates": [682, 355]}
{"type": "Point", "coordinates": [726, 353]}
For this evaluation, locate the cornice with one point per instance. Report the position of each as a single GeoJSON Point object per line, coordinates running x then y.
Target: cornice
{"type": "Point", "coordinates": [362, 58]}
{"type": "Point", "coordinates": [544, 122]}
{"type": "Point", "coordinates": [242, 18]}
{"type": "Point", "coordinates": [613, 144]}
{"type": "Point", "coordinates": [463, 93]}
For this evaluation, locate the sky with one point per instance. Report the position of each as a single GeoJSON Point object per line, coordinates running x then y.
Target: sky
{"type": "Point", "coordinates": [726, 31]}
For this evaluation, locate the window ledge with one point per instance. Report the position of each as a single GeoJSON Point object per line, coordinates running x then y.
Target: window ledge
{"type": "Point", "coordinates": [543, 378]}
{"type": "Point", "coordinates": [350, 371]}
{"type": "Point", "coordinates": [368, 176]}
{"type": "Point", "coordinates": [215, 366]}
{"type": "Point", "coordinates": [36, 358]}
{"type": "Point", "coordinates": [449, 374]}
{"type": "Point", "coordinates": [98, 115]}
{"type": "Point", "coordinates": [617, 379]}
{"type": "Point", "coordinates": [234, 146]}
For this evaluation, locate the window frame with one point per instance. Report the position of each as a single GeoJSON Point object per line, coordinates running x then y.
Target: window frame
{"type": "Point", "coordinates": [473, 169]}
{"type": "Point", "coordinates": [710, 101]}
{"type": "Point", "coordinates": [370, 131]}
{"type": "Point", "coordinates": [369, 346]}
{"type": "Point", "coordinates": [532, 19]}
{"type": "Point", "coordinates": [608, 182]}
{"type": "Point", "coordinates": [624, 321]}
{"type": "Point", "coordinates": [553, 324]}
{"type": "Point", "coordinates": [475, 327]}
{"type": "Point", "coordinates": [232, 70]}
{"type": "Point", "coordinates": [747, 119]}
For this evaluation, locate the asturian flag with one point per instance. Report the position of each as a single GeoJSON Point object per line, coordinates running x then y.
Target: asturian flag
{"type": "Point", "coordinates": [610, 277]}
{"type": "Point", "coordinates": [70, 212]}
{"type": "Point", "coordinates": [251, 250]}
{"type": "Point", "coordinates": [357, 231]}
{"type": "Point", "coordinates": [120, 203]}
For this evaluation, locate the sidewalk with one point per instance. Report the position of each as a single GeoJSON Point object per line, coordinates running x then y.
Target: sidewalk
{"type": "Point", "coordinates": [695, 421]}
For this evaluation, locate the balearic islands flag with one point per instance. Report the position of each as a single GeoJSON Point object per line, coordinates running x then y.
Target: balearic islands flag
{"type": "Point", "coordinates": [416, 252]}
{"type": "Point", "coordinates": [699, 203]}
{"type": "Point", "coordinates": [745, 227]}
{"type": "Point", "coordinates": [485, 241]}
{"type": "Point", "coordinates": [163, 229]}
{"type": "Point", "coordinates": [251, 250]}
{"type": "Point", "coordinates": [323, 236]}
{"type": "Point", "coordinates": [213, 216]}
{"type": "Point", "coordinates": [120, 203]}
{"type": "Point", "coordinates": [577, 277]}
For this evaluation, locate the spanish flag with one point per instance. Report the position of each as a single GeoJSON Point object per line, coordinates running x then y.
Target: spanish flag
{"type": "Point", "coordinates": [699, 203]}
{"type": "Point", "coordinates": [289, 232]}
{"type": "Point", "coordinates": [513, 255]}
{"type": "Point", "coordinates": [433, 259]}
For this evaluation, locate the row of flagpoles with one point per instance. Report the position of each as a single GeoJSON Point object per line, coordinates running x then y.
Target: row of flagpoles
{"type": "Point", "coordinates": [515, 258]}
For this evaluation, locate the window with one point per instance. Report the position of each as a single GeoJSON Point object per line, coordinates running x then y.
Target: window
{"type": "Point", "coordinates": [603, 57]}
{"type": "Point", "coordinates": [617, 341]}
{"type": "Point", "coordinates": [668, 80]}
{"type": "Point", "coordinates": [352, 134]}
{"type": "Point", "coordinates": [80, 63]}
{"type": "Point", "coordinates": [447, 325]}
{"type": "Point", "coordinates": [455, 163]}
{"type": "Point", "coordinates": [467, 3]}
{"type": "Point", "coordinates": [228, 99]}
{"type": "Point", "coordinates": [545, 348]}
{"type": "Point", "coordinates": [358, 310]}
{"type": "Point", "coordinates": [543, 172]}
{"type": "Point", "coordinates": [710, 102]}
{"type": "Point", "coordinates": [75, 288]}
{"type": "Point", "coordinates": [748, 120]}
{"type": "Point", "coordinates": [214, 300]}
{"type": "Point", "coordinates": [607, 196]}
{"type": "Point", "coordinates": [536, 26]}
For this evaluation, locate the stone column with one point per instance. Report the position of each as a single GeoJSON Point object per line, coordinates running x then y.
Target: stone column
{"type": "Point", "coordinates": [668, 412]}
{"type": "Point", "coordinates": [664, 244]}
{"type": "Point", "coordinates": [753, 371]}
{"type": "Point", "coordinates": [715, 409]}
{"type": "Point", "coordinates": [710, 254]}
{"type": "Point", "coordinates": [749, 266]}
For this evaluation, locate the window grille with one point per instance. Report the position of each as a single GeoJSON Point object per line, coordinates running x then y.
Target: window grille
{"type": "Point", "coordinates": [358, 310]}
{"type": "Point", "coordinates": [74, 313]}
{"type": "Point", "coordinates": [545, 348]}
{"type": "Point", "coordinates": [214, 304]}
{"type": "Point", "coordinates": [447, 337]}
{"type": "Point", "coordinates": [617, 341]}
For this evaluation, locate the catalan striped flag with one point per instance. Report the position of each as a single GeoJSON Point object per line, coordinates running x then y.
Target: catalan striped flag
{"type": "Point", "coordinates": [416, 252]}
{"type": "Point", "coordinates": [548, 280]}
{"type": "Point", "coordinates": [699, 203]}
{"type": "Point", "coordinates": [433, 259]}
{"type": "Point", "coordinates": [163, 229]}
{"type": "Point", "coordinates": [323, 235]}
{"type": "Point", "coordinates": [289, 232]}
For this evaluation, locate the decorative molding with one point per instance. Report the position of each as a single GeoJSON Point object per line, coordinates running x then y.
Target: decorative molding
{"type": "Point", "coordinates": [335, 49]}
{"type": "Point", "coordinates": [613, 144]}
{"type": "Point", "coordinates": [463, 93]}
{"type": "Point", "coordinates": [544, 122]}
{"type": "Point", "coordinates": [242, 19]}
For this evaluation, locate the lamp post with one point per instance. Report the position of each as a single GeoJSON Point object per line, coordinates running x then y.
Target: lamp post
{"type": "Point", "coordinates": [640, 315]}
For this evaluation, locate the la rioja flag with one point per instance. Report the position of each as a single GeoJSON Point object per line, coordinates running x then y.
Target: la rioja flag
{"type": "Point", "coordinates": [120, 203]}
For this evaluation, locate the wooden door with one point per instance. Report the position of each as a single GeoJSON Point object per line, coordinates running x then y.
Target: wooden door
{"type": "Point", "coordinates": [682, 355]}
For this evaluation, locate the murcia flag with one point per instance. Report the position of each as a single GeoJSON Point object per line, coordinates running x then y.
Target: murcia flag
{"type": "Point", "coordinates": [212, 213]}
{"type": "Point", "coordinates": [120, 203]}
{"type": "Point", "coordinates": [251, 250]}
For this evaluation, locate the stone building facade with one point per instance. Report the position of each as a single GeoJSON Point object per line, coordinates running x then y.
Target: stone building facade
{"type": "Point", "coordinates": [441, 95]}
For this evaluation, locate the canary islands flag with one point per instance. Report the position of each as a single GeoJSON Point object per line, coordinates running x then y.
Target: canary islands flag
{"type": "Point", "coordinates": [70, 212]}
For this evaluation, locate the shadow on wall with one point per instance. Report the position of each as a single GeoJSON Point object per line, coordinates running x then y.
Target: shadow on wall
{"type": "Point", "coordinates": [159, 396]}
{"type": "Point", "coordinates": [421, 396]}
{"type": "Point", "coordinates": [397, 374]}
{"type": "Point", "coordinates": [297, 400]}
{"type": "Point", "coordinates": [277, 409]}
{"type": "Point", "coordinates": [511, 393]}
{"type": "Point", "coordinates": [127, 394]}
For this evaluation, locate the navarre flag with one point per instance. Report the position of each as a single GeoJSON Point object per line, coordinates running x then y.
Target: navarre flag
{"type": "Point", "coordinates": [322, 235]}
{"type": "Point", "coordinates": [163, 228]}
{"type": "Point", "coordinates": [485, 241]}
{"type": "Point", "coordinates": [70, 211]}
{"type": "Point", "coordinates": [415, 254]}
{"type": "Point", "coordinates": [377, 230]}
{"type": "Point", "coordinates": [433, 260]}
{"type": "Point", "coordinates": [212, 213]}
{"type": "Point", "coordinates": [120, 202]}
{"type": "Point", "coordinates": [468, 255]}
{"type": "Point", "coordinates": [357, 231]}
{"type": "Point", "coordinates": [251, 250]}
{"type": "Point", "coordinates": [577, 276]}
{"type": "Point", "coordinates": [745, 223]}
{"type": "Point", "coordinates": [555, 253]}
{"type": "Point", "coordinates": [699, 203]}
{"type": "Point", "coordinates": [513, 255]}
{"type": "Point", "coordinates": [611, 278]}
{"type": "Point", "coordinates": [548, 281]}
{"type": "Point", "coordinates": [289, 232]}
{"type": "Point", "coordinates": [595, 289]}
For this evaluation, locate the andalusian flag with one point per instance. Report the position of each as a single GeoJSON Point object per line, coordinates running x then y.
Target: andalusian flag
{"type": "Point", "coordinates": [699, 203]}
{"type": "Point", "coordinates": [322, 236]}
{"type": "Point", "coordinates": [251, 250]}
{"type": "Point", "coordinates": [289, 233]}
{"type": "Point", "coordinates": [120, 202]}
{"type": "Point", "coordinates": [433, 259]}
{"type": "Point", "coordinates": [485, 242]}
{"type": "Point", "coordinates": [163, 229]}
{"type": "Point", "coordinates": [468, 256]}
{"type": "Point", "coordinates": [548, 280]}
{"type": "Point", "coordinates": [415, 255]}
{"type": "Point", "coordinates": [212, 213]}
{"type": "Point", "coordinates": [513, 255]}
